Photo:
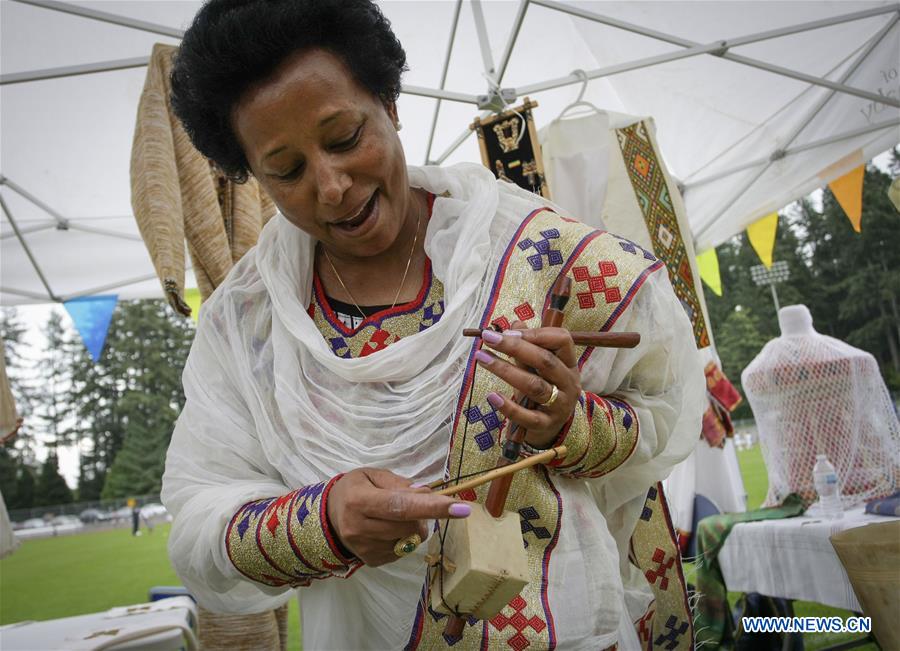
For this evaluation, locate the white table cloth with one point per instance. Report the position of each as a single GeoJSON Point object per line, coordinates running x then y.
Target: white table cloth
{"type": "Point", "coordinates": [792, 558]}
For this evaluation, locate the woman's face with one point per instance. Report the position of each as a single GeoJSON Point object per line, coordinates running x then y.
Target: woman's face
{"type": "Point", "coordinates": [327, 152]}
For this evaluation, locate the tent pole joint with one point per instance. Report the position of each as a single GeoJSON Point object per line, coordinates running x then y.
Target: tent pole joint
{"type": "Point", "coordinates": [497, 99]}
{"type": "Point", "coordinates": [722, 50]}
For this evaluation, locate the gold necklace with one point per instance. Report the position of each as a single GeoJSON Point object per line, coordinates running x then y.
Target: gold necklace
{"type": "Point", "coordinates": [402, 280]}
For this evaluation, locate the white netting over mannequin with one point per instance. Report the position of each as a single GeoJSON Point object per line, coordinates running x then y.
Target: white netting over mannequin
{"type": "Point", "coordinates": [813, 394]}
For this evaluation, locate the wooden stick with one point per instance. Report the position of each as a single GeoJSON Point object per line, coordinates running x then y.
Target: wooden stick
{"type": "Point", "coordinates": [595, 339]}
{"type": "Point", "coordinates": [543, 457]}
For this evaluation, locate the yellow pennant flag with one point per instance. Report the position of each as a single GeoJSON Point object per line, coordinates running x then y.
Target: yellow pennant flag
{"type": "Point", "coordinates": [762, 237]}
{"type": "Point", "coordinates": [708, 263]}
{"type": "Point", "coordinates": [848, 192]}
{"type": "Point", "coordinates": [192, 298]}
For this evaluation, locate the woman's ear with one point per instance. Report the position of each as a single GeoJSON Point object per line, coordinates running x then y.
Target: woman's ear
{"type": "Point", "coordinates": [391, 108]}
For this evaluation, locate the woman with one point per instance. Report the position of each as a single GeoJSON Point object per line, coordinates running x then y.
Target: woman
{"type": "Point", "coordinates": [329, 379]}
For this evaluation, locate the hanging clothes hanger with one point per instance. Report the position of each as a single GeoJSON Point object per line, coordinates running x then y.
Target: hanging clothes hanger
{"type": "Point", "coordinates": [579, 102]}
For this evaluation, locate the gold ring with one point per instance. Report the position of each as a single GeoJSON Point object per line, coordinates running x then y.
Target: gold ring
{"type": "Point", "coordinates": [553, 395]}
{"type": "Point", "coordinates": [406, 546]}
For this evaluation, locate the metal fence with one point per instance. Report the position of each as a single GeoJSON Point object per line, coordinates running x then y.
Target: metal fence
{"type": "Point", "coordinates": [76, 508]}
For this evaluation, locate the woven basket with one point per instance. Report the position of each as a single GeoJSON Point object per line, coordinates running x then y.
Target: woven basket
{"type": "Point", "coordinates": [871, 557]}
{"type": "Point", "coordinates": [258, 632]}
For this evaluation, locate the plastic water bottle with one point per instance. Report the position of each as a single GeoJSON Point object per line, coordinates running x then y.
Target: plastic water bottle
{"type": "Point", "coordinates": [828, 488]}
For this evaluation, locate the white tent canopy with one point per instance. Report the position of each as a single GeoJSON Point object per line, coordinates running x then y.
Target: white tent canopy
{"type": "Point", "coordinates": [756, 104]}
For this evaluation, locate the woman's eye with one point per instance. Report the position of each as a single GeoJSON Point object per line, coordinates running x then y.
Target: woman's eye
{"type": "Point", "coordinates": [349, 142]}
{"type": "Point", "coordinates": [291, 175]}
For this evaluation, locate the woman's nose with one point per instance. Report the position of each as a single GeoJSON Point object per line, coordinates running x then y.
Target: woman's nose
{"type": "Point", "coordinates": [332, 182]}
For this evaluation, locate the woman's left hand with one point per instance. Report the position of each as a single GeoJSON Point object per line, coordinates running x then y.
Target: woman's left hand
{"type": "Point", "coordinates": [550, 353]}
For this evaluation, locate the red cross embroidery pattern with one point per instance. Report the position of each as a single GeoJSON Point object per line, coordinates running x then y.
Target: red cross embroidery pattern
{"type": "Point", "coordinates": [597, 284]}
{"type": "Point", "coordinates": [659, 556]}
{"type": "Point", "coordinates": [519, 622]}
{"type": "Point", "coordinates": [378, 341]}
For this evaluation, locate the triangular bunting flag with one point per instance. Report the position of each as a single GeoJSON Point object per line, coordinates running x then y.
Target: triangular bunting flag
{"type": "Point", "coordinates": [192, 298]}
{"type": "Point", "coordinates": [762, 237]}
{"type": "Point", "coordinates": [848, 192]}
{"type": "Point", "coordinates": [92, 316]}
{"type": "Point", "coordinates": [708, 262]}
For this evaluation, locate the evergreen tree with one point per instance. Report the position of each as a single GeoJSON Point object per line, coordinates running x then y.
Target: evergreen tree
{"type": "Point", "coordinates": [141, 365]}
{"type": "Point", "coordinates": [54, 383]}
{"type": "Point", "coordinates": [738, 342]}
{"type": "Point", "coordinates": [139, 466]}
{"type": "Point", "coordinates": [51, 487]}
{"type": "Point", "coordinates": [25, 489]}
{"type": "Point", "coordinates": [18, 366]}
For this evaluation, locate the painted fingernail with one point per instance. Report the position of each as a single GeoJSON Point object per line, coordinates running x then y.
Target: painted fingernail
{"type": "Point", "coordinates": [491, 337]}
{"type": "Point", "coordinates": [483, 357]}
{"type": "Point", "coordinates": [512, 333]}
{"type": "Point", "coordinates": [495, 399]}
{"type": "Point", "coordinates": [418, 484]}
{"type": "Point", "coordinates": [460, 510]}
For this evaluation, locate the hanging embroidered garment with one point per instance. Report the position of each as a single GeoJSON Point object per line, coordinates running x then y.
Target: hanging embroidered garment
{"type": "Point", "coordinates": [622, 184]}
{"type": "Point", "coordinates": [277, 410]}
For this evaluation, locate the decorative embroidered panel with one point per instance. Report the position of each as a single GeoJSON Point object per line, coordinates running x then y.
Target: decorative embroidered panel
{"type": "Point", "coordinates": [286, 540]}
{"type": "Point", "coordinates": [652, 193]}
{"type": "Point", "coordinates": [383, 328]}
{"type": "Point", "coordinates": [544, 247]}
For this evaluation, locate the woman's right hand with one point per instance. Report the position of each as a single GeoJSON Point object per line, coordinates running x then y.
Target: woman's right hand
{"type": "Point", "coordinates": [370, 509]}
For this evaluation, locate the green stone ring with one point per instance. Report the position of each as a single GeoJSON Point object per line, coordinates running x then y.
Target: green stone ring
{"type": "Point", "coordinates": [406, 546]}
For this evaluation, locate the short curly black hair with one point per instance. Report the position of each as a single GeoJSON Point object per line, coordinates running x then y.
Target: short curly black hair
{"type": "Point", "coordinates": [232, 44]}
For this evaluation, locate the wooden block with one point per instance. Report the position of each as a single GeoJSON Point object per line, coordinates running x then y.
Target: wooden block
{"type": "Point", "coordinates": [491, 566]}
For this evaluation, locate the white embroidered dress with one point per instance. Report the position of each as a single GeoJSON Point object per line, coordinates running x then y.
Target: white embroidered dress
{"type": "Point", "coordinates": [270, 408]}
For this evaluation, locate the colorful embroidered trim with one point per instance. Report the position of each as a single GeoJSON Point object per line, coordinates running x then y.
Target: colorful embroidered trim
{"type": "Point", "coordinates": [287, 540]}
{"type": "Point", "coordinates": [652, 194]}
{"type": "Point", "coordinates": [383, 328]}
{"type": "Point", "coordinates": [668, 623]}
{"type": "Point", "coordinates": [609, 273]}
{"type": "Point", "coordinates": [601, 436]}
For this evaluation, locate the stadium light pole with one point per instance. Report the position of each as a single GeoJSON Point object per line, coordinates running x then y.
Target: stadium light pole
{"type": "Point", "coordinates": [778, 273]}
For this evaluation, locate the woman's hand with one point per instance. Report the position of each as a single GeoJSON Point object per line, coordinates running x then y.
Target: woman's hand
{"type": "Point", "coordinates": [551, 353]}
{"type": "Point", "coordinates": [370, 509]}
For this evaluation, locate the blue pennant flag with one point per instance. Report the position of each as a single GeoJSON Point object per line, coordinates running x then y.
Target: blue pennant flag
{"type": "Point", "coordinates": [92, 315]}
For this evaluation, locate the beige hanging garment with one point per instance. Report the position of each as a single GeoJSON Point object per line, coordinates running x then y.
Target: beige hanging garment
{"type": "Point", "coordinates": [178, 196]}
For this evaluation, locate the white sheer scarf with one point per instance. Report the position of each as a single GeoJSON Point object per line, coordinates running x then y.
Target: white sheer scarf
{"type": "Point", "coordinates": [270, 408]}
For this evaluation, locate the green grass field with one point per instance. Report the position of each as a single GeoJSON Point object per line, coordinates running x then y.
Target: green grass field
{"type": "Point", "coordinates": [91, 572]}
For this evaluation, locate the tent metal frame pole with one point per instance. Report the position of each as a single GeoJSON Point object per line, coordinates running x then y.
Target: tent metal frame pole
{"type": "Point", "coordinates": [871, 45]}
{"type": "Point", "coordinates": [22, 292]}
{"type": "Point", "coordinates": [843, 136]}
{"type": "Point", "coordinates": [106, 17]}
{"type": "Point", "coordinates": [104, 231]}
{"type": "Point", "coordinates": [37, 228]}
{"type": "Point", "coordinates": [722, 50]}
{"type": "Point", "coordinates": [446, 68]}
{"type": "Point", "coordinates": [116, 285]}
{"type": "Point", "coordinates": [27, 249]}
{"type": "Point", "coordinates": [61, 221]}
{"type": "Point", "coordinates": [795, 150]}
{"type": "Point", "coordinates": [72, 71]}
{"type": "Point", "coordinates": [434, 93]}
{"type": "Point", "coordinates": [511, 42]}
{"type": "Point", "coordinates": [460, 139]}
{"type": "Point", "coordinates": [618, 68]}
{"type": "Point", "coordinates": [484, 42]}
{"type": "Point", "coordinates": [697, 173]}
{"type": "Point", "coordinates": [866, 50]}
{"type": "Point", "coordinates": [504, 62]}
